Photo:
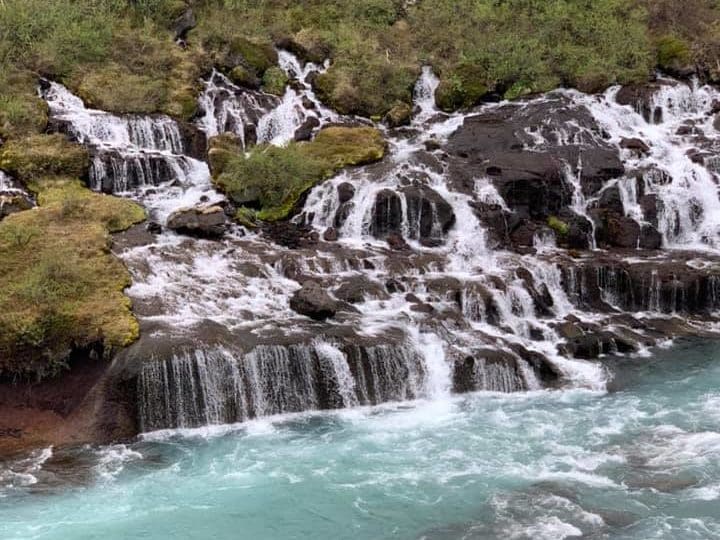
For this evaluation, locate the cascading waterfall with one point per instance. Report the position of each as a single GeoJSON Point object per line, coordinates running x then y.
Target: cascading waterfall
{"type": "Point", "coordinates": [425, 290]}
{"type": "Point", "coordinates": [680, 135]}
{"type": "Point", "coordinates": [220, 385]}
{"type": "Point", "coordinates": [128, 152]}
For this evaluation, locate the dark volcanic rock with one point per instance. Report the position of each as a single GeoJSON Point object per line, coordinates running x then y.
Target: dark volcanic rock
{"type": "Point", "coordinates": [430, 216]}
{"type": "Point", "coordinates": [640, 98]}
{"type": "Point", "coordinates": [289, 234]}
{"type": "Point", "coordinates": [208, 222]}
{"type": "Point", "coordinates": [386, 214]}
{"type": "Point", "coordinates": [313, 301]}
{"type": "Point", "coordinates": [12, 202]}
{"type": "Point", "coordinates": [519, 150]}
{"type": "Point", "coordinates": [305, 131]}
{"type": "Point", "coordinates": [184, 23]}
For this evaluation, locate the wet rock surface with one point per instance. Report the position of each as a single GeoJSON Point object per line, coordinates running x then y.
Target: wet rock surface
{"type": "Point", "coordinates": [209, 222]}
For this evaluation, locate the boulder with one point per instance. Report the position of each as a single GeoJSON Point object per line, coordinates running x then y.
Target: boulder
{"type": "Point", "coordinates": [399, 115]}
{"type": "Point", "coordinates": [386, 214]}
{"type": "Point", "coordinates": [313, 301]}
{"type": "Point", "coordinates": [183, 24]}
{"type": "Point", "coordinates": [635, 145]}
{"type": "Point", "coordinates": [305, 131]}
{"type": "Point", "coordinates": [429, 217]}
{"type": "Point", "coordinates": [209, 222]}
{"type": "Point", "coordinates": [12, 202]}
{"type": "Point", "coordinates": [641, 99]}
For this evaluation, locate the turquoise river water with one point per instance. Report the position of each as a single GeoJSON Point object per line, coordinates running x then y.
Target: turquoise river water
{"type": "Point", "coordinates": [640, 461]}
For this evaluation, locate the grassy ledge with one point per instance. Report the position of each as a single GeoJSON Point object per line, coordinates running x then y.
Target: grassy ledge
{"type": "Point", "coordinates": [268, 182]}
{"type": "Point", "coordinates": [62, 287]}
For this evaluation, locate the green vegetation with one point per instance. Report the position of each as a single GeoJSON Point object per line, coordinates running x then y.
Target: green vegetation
{"type": "Point", "coordinates": [120, 54]}
{"type": "Point", "coordinates": [559, 226]}
{"type": "Point", "coordinates": [116, 54]}
{"type": "Point", "coordinates": [62, 288]}
{"type": "Point", "coordinates": [273, 179]}
{"type": "Point", "coordinates": [43, 155]}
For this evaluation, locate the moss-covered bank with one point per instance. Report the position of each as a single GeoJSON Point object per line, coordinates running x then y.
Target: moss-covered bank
{"type": "Point", "coordinates": [62, 287]}
{"type": "Point", "coordinates": [268, 182]}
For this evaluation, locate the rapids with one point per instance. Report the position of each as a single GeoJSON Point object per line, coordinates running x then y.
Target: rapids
{"type": "Point", "coordinates": [639, 462]}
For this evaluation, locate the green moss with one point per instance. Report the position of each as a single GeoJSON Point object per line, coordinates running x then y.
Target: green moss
{"type": "Point", "coordinates": [44, 155]}
{"type": "Point", "coordinates": [62, 287]}
{"type": "Point", "coordinates": [560, 227]}
{"type": "Point", "coordinates": [222, 149]}
{"type": "Point", "coordinates": [274, 81]}
{"type": "Point", "coordinates": [114, 88]}
{"type": "Point", "coordinates": [243, 76]}
{"type": "Point", "coordinates": [672, 52]}
{"type": "Point", "coordinates": [260, 56]}
{"type": "Point", "coordinates": [274, 178]}
{"type": "Point", "coordinates": [22, 112]}
{"type": "Point", "coordinates": [399, 115]}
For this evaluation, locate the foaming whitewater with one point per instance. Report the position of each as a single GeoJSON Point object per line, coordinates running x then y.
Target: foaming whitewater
{"type": "Point", "coordinates": [429, 303]}
{"type": "Point", "coordinates": [679, 165]}
{"type": "Point", "coordinates": [641, 463]}
{"type": "Point", "coordinates": [132, 154]}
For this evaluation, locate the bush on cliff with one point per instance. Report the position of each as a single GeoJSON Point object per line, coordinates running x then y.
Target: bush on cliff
{"type": "Point", "coordinates": [272, 179]}
{"type": "Point", "coordinates": [62, 288]}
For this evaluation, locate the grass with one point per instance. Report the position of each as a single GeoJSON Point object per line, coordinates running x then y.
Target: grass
{"type": "Point", "coordinates": [120, 55]}
{"type": "Point", "coordinates": [62, 287]}
{"type": "Point", "coordinates": [271, 179]}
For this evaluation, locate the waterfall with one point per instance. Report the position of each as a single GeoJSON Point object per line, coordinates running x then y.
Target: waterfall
{"type": "Point", "coordinates": [431, 290]}
{"type": "Point", "coordinates": [227, 108]}
{"type": "Point", "coordinates": [220, 385]}
{"type": "Point", "coordinates": [674, 168]}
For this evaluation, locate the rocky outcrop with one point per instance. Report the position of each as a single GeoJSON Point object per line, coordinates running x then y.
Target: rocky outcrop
{"type": "Point", "coordinates": [535, 155]}
{"type": "Point", "coordinates": [209, 222]}
{"type": "Point", "coordinates": [12, 202]}
{"type": "Point", "coordinates": [314, 301]}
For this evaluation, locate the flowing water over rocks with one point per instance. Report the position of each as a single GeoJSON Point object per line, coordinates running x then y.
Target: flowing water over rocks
{"type": "Point", "coordinates": [504, 249]}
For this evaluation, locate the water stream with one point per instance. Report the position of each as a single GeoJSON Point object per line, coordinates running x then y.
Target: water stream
{"type": "Point", "coordinates": [640, 462]}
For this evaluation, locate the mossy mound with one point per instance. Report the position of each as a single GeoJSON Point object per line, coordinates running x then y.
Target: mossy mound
{"type": "Point", "coordinates": [274, 81]}
{"type": "Point", "coordinates": [44, 155]}
{"type": "Point", "coordinates": [22, 112]}
{"type": "Point", "coordinates": [62, 288]}
{"type": "Point", "coordinates": [270, 180]}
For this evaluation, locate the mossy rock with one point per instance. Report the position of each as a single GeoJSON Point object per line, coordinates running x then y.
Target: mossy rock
{"type": "Point", "coordinates": [272, 179]}
{"type": "Point", "coordinates": [673, 53]}
{"type": "Point", "coordinates": [243, 76]}
{"type": "Point", "coordinates": [63, 288]}
{"type": "Point", "coordinates": [258, 56]}
{"type": "Point", "coordinates": [274, 81]}
{"type": "Point", "coordinates": [461, 88]}
{"type": "Point", "coordinates": [399, 115]}
{"type": "Point", "coordinates": [366, 88]}
{"type": "Point", "coordinates": [222, 149]}
{"type": "Point", "coordinates": [116, 89]}
{"type": "Point", "coordinates": [44, 155]}
{"type": "Point", "coordinates": [560, 227]}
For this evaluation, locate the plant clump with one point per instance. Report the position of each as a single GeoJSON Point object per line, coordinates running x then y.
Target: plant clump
{"type": "Point", "coordinates": [270, 180]}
